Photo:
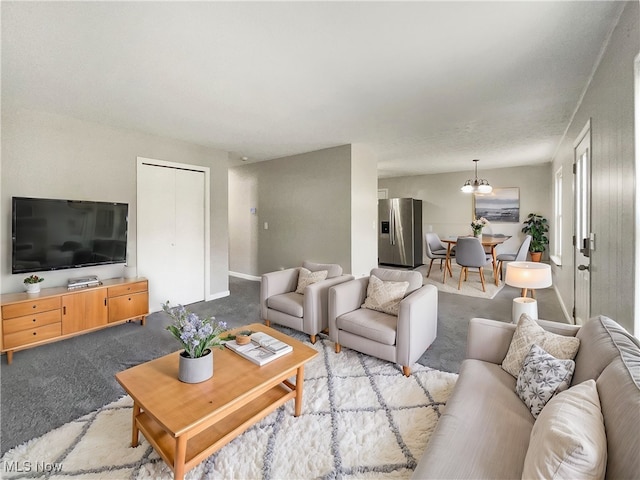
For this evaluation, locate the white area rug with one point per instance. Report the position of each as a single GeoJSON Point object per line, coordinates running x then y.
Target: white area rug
{"type": "Point", "coordinates": [361, 418]}
{"type": "Point", "coordinates": [472, 287]}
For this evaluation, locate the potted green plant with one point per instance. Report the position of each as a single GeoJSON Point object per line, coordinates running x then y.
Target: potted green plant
{"type": "Point", "coordinates": [537, 226]}
{"type": "Point", "coordinates": [32, 283]}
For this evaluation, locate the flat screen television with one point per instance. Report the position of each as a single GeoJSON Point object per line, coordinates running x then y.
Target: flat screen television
{"type": "Point", "coordinates": [52, 234]}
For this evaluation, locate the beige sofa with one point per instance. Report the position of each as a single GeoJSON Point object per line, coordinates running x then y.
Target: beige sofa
{"type": "Point", "coordinates": [485, 430]}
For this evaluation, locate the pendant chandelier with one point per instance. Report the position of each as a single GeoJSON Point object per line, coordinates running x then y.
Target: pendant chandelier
{"type": "Point", "coordinates": [477, 186]}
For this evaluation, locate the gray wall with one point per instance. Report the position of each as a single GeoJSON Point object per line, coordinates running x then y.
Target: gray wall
{"type": "Point", "coordinates": [448, 212]}
{"type": "Point", "coordinates": [315, 204]}
{"type": "Point", "coordinates": [609, 103]}
{"type": "Point", "coordinates": [53, 156]}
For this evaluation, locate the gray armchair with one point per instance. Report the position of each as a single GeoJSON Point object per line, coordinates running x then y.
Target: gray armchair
{"type": "Point", "coordinates": [401, 339]}
{"type": "Point", "coordinates": [305, 312]}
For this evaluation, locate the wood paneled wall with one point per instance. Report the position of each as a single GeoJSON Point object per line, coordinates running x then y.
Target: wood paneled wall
{"type": "Point", "coordinates": [609, 103]}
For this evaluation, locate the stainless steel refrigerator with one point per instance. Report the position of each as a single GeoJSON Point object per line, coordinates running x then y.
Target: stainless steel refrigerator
{"type": "Point", "coordinates": [400, 232]}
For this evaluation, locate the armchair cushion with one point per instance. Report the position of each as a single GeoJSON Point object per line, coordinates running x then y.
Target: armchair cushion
{"type": "Point", "coordinates": [390, 275]}
{"type": "Point", "coordinates": [290, 303]}
{"type": "Point", "coordinates": [374, 325]}
{"type": "Point", "coordinates": [333, 269]}
{"type": "Point", "coordinates": [384, 296]}
{"type": "Point", "coordinates": [306, 277]}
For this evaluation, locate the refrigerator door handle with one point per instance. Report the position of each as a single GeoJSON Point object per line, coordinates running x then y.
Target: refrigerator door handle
{"type": "Point", "coordinates": [392, 228]}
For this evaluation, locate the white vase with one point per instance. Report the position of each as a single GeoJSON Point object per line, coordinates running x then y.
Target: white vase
{"type": "Point", "coordinates": [195, 370]}
{"type": "Point", "coordinates": [32, 287]}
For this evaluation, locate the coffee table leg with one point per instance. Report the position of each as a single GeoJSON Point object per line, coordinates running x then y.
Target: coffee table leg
{"type": "Point", "coordinates": [179, 459]}
{"type": "Point", "coordinates": [134, 430]}
{"type": "Point", "coordinates": [299, 387]}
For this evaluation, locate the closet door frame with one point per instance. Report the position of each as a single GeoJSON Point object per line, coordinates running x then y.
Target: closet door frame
{"type": "Point", "coordinates": [142, 161]}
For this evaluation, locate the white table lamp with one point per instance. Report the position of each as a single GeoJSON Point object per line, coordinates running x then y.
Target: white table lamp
{"type": "Point", "coordinates": [527, 275]}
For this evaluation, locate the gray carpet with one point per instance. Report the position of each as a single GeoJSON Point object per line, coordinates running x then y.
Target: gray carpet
{"type": "Point", "coordinates": [48, 386]}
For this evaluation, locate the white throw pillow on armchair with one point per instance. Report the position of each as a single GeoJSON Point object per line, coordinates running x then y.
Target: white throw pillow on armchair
{"type": "Point", "coordinates": [384, 296]}
{"type": "Point", "coordinates": [307, 277]}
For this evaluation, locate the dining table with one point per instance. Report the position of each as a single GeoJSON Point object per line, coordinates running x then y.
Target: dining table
{"type": "Point", "coordinates": [489, 241]}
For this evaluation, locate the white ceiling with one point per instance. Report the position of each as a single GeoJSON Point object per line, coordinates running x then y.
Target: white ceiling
{"type": "Point", "coordinates": [427, 86]}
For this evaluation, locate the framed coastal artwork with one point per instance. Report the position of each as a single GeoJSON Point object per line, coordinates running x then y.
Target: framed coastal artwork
{"type": "Point", "coordinates": [502, 205]}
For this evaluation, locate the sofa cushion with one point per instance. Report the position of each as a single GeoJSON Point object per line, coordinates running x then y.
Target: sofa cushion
{"type": "Point", "coordinates": [289, 303]}
{"type": "Point", "coordinates": [529, 332]}
{"type": "Point", "coordinates": [541, 377]}
{"type": "Point", "coordinates": [374, 325]}
{"type": "Point", "coordinates": [619, 391]}
{"type": "Point", "coordinates": [568, 440]}
{"type": "Point", "coordinates": [484, 430]}
{"type": "Point", "coordinates": [333, 269]}
{"type": "Point", "coordinates": [603, 340]}
{"type": "Point", "coordinates": [307, 277]}
{"type": "Point", "coordinates": [384, 296]}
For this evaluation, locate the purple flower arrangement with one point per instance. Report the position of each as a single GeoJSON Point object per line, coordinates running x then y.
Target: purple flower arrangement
{"type": "Point", "coordinates": [197, 335]}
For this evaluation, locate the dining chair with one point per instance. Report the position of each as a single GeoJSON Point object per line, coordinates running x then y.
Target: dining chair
{"type": "Point", "coordinates": [436, 250]}
{"type": "Point", "coordinates": [470, 254]}
{"type": "Point", "coordinates": [519, 255]}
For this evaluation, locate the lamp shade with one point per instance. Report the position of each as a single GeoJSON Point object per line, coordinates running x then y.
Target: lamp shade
{"type": "Point", "coordinates": [528, 275]}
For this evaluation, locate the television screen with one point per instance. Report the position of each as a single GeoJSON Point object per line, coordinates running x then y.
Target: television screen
{"type": "Point", "coordinates": [50, 234]}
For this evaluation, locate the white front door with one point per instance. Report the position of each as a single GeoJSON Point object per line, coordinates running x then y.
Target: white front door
{"type": "Point", "coordinates": [584, 240]}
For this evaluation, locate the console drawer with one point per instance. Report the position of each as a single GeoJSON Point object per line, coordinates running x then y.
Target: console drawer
{"type": "Point", "coordinates": [31, 321]}
{"type": "Point", "coordinates": [27, 308]}
{"type": "Point", "coordinates": [33, 335]}
{"type": "Point", "coordinates": [128, 306]}
{"type": "Point", "coordinates": [127, 289]}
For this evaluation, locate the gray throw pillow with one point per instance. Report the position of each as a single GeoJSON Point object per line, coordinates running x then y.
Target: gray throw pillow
{"type": "Point", "coordinates": [541, 377]}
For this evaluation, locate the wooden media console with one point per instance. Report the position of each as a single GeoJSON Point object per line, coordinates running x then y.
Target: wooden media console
{"type": "Point", "coordinates": [29, 320]}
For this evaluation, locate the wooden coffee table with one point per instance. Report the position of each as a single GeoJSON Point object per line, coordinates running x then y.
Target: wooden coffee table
{"type": "Point", "coordinates": [186, 423]}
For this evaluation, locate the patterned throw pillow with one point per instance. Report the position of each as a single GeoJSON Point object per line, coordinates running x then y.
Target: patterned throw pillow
{"type": "Point", "coordinates": [307, 277]}
{"type": "Point", "coordinates": [384, 296]}
{"type": "Point", "coordinates": [529, 332]}
{"type": "Point", "coordinates": [541, 377]}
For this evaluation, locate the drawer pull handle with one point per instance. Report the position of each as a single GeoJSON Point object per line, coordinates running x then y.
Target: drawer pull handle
{"type": "Point", "coordinates": [34, 334]}
{"type": "Point", "coordinates": [129, 298]}
{"type": "Point", "coordinates": [35, 306]}
{"type": "Point", "coordinates": [64, 310]}
{"type": "Point", "coordinates": [34, 319]}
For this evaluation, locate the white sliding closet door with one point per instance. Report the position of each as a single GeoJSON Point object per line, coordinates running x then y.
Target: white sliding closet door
{"type": "Point", "coordinates": [171, 233]}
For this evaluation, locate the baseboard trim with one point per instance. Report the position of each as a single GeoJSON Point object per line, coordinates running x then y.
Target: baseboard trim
{"type": "Point", "coordinates": [245, 276]}
{"type": "Point", "coordinates": [218, 295]}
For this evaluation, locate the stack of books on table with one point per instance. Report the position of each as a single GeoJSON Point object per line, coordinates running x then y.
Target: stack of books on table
{"type": "Point", "coordinates": [262, 349]}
